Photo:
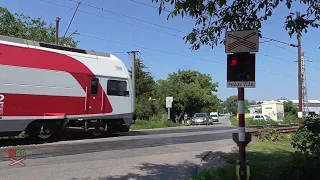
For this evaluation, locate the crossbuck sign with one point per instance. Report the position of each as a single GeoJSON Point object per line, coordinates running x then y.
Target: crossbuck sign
{"type": "Point", "coordinates": [242, 41]}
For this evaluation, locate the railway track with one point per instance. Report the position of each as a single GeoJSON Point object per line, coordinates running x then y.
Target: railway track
{"type": "Point", "coordinates": [5, 143]}
{"type": "Point", "coordinates": [257, 130]}
{"type": "Point", "coordinates": [272, 126]}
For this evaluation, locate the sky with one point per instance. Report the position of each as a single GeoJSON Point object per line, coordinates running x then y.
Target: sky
{"type": "Point", "coordinates": [119, 26]}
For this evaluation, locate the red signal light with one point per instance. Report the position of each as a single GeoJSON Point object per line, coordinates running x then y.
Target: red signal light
{"type": "Point", "coordinates": [234, 62]}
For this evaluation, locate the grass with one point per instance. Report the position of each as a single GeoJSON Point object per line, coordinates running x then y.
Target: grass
{"type": "Point", "coordinates": [251, 122]}
{"type": "Point", "coordinates": [159, 121]}
{"type": "Point", "coordinates": [266, 160]}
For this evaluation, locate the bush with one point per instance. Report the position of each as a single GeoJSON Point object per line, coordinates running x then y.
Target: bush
{"type": "Point", "coordinates": [251, 122]}
{"type": "Point", "coordinates": [300, 167]}
{"type": "Point", "coordinates": [156, 121]}
{"type": "Point", "coordinates": [306, 163]}
{"type": "Point", "coordinates": [307, 137]}
{"type": "Point", "coordinates": [144, 108]}
{"type": "Point", "coordinates": [290, 119]}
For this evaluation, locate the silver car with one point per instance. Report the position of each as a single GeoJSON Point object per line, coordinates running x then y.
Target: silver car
{"type": "Point", "coordinates": [200, 118]}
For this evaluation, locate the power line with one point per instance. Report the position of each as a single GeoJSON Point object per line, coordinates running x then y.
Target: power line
{"type": "Point", "coordinates": [275, 20]}
{"type": "Point", "coordinates": [68, 11]}
{"type": "Point", "coordinates": [272, 44]}
{"type": "Point", "coordinates": [293, 51]}
{"type": "Point", "coordinates": [311, 67]}
{"type": "Point", "coordinates": [176, 54]}
{"type": "Point", "coordinates": [70, 8]}
{"type": "Point", "coordinates": [137, 19]}
{"type": "Point", "coordinates": [104, 17]}
{"type": "Point", "coordinates": [156, 8]}
{"type": "Point", "coordinates": [150, 66]}
{"type": "Point", "coordinates": [171, 52]}
{"type": "Point", "coordinates": [292, 45]}
{"type": "Point", "coordinates": [138, 2]}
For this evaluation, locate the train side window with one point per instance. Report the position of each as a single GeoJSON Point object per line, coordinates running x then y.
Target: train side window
{"type": "Point", "coordinates": [117, 88]}
{"type": "Point", "coordinates": [94, 86]}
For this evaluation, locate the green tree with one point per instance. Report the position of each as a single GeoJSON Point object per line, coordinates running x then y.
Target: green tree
{"type": "Point", "coordinates": [145, 108]}
{"type": "Point", "coordinates": [145, 85]}
{"type": "Point", "coordinates": [214, 17]}
{"type": "Point", "coordinates": [144, 81]}
{"type": "Point", "coordinates": [231, 104]}
{"type": "Point", "coordinates": [214, 107]}
{"type": "Point", "coordinates": [289, 108]}
{"type": "Point", "coordinates": [22, 26]}
{"type": "Point", "coordinates": [192, 92]}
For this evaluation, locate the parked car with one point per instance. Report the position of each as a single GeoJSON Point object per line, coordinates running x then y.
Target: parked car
{"type": "Point", "coordinates": [261, 117]}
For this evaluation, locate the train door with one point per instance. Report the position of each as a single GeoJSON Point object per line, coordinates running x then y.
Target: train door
{"type": "Point", "coordinates": [94, 97]}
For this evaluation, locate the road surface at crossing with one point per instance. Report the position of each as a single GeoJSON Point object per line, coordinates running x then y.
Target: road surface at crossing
{"type": "Point", "coordinates": [171, 154]}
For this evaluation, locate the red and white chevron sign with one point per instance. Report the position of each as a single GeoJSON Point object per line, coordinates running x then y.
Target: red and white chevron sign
{"type": "Point", "coordinates": [242, 41]}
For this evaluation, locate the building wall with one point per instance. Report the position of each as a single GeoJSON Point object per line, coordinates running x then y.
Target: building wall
{"type": "Point", "coordinates": [267, 109]}
{"type": "Point", "coordinates": [274, 110]}
{"type": "Point", "coordinates": [280, 112]}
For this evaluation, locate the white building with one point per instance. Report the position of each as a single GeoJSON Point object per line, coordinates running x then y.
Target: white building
{"type": "Point", "coordinates": [254, 109]}
{"type": "Point", "coordinates": [313, 105]}
{"type": "Point", "coordinates": [273, 109]}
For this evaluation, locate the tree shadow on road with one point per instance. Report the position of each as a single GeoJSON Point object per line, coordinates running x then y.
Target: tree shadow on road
{"type": "Point", "coordinates": [150, 171]}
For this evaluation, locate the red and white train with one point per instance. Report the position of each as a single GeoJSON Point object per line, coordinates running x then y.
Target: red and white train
{"type": "Point", "coordinates": [46, 89]}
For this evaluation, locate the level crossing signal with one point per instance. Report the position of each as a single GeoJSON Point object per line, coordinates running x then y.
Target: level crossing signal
{"type": "Point", "coordinates": [241, 67]}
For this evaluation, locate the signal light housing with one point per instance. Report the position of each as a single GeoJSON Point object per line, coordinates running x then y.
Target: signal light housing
{"type": "Point", "coordinates": [241, 67]}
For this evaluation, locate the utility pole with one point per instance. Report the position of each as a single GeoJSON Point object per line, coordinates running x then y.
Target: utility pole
{"type": "Point", "coordinates": [300, 114]}
{"type": "Point", "coordinates": [57, 30]}
{"type": "Point", "coordinates": [133, 73]}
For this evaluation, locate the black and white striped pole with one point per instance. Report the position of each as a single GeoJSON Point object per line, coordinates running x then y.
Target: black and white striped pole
{"type": "Point", "coordinates": [241, 74]}
{"type": "Point", "coordinates": [242, 134]}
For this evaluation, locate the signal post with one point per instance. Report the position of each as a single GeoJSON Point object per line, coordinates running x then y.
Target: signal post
{"type": "Point", "coordinates": [240, 75]}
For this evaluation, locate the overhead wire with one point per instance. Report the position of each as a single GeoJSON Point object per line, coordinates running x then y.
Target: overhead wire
{"type": "Point", "coordinates": [143, 58]}
{"type": "Point", "coordinates": [138, 2]}
{"type": "Point", "coordinates": [133, 18]}
{"type": "Point", "coordinates": [181, 55]}
{"type": "Point", "coordinates": [104, 17]}
{"type": "Point", "coordinates": [68, 11]}
{"type": "Point", "coordinates": [180, 37]}
{"type": "Point", "coordinates": [137, 26]}
{"type": "Point", "coordinates": [289, 50]}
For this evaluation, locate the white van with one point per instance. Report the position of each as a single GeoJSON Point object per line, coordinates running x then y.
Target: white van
{"type": "Point", "coordinates": [214, 116]}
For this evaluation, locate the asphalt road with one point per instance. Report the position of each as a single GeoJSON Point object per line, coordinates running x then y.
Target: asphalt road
{"type": "Point", "coordinates": [171, 154]}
